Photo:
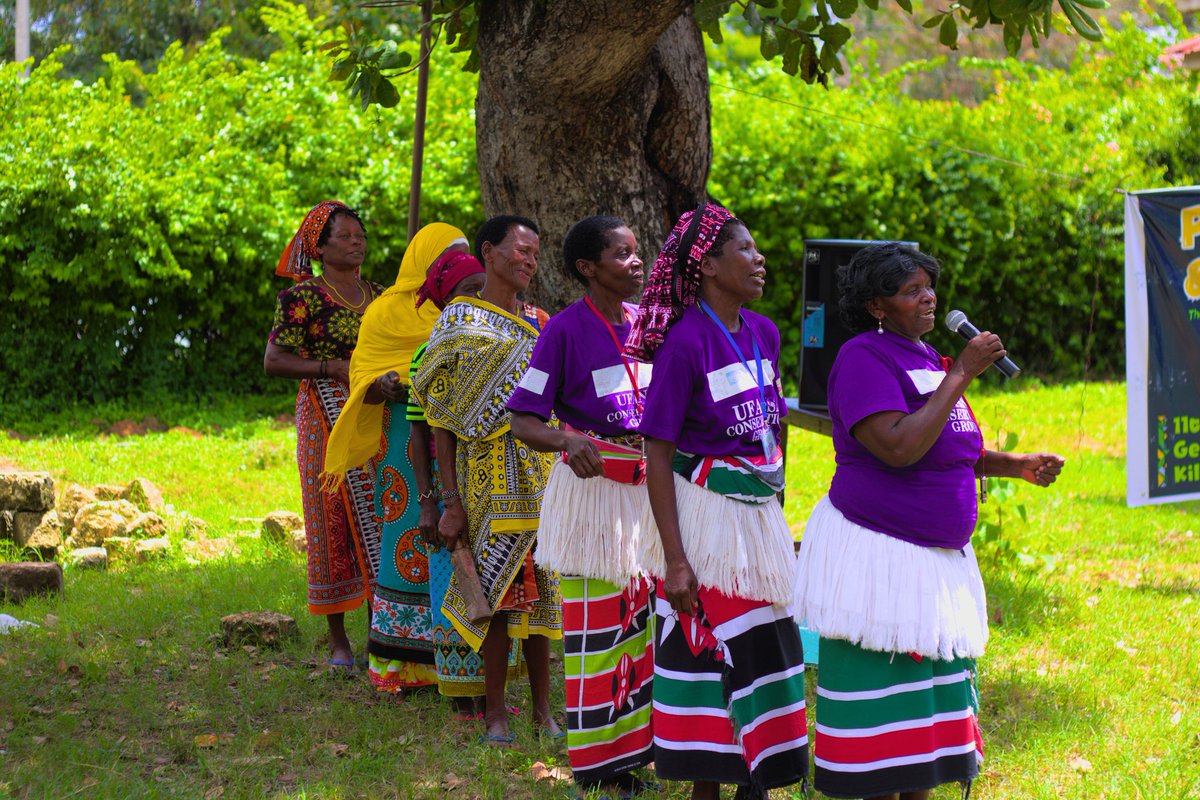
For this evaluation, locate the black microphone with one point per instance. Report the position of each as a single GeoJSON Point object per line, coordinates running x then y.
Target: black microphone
{"type": "Point", "coordinates": [957, 322]}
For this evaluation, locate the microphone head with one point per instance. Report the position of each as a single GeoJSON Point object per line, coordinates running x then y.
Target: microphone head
{"type": "Point", "coordinates": [955, 319]}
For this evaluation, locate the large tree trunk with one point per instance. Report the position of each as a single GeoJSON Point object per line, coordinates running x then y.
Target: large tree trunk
{"type": "Point", "coordinates": [591, 107]}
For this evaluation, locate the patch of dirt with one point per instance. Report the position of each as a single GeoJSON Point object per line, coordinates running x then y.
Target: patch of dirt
{"type": "Point", "coordinates": [192, 432]}
{"type": "Point", "coordinates": [20, 437]}
{"type": "Point", "coordinates": [127, 427]}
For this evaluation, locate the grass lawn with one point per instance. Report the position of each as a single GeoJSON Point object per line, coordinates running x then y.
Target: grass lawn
{"type": "Point", "coordinates": [1088, 689]}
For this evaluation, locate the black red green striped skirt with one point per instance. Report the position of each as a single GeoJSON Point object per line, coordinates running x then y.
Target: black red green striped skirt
{"type": "Point", "coordinates": [893, 722]}
{"type": "Point", "coordinates": [729, 693]}
{"type": "Point", "coordinates": [609, 666]}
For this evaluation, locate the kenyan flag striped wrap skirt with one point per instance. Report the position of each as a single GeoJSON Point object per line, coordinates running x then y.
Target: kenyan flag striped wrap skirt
{"type": "Point", "coordinates": [729, 693]}
{"type": "Point", "coordinates": [609, 667]}
{"type": "Point", "coordinates": [893, 722]}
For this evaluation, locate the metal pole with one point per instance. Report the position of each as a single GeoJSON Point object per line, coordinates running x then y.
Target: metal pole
{"type": "Point", "coordinates": [414, 189]}
{"type": "Point", "coordinates": [22, 32]}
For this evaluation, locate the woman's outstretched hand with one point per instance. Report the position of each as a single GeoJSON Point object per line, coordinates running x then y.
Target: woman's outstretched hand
{"type": "Point", "coordinates": [1040, 469]}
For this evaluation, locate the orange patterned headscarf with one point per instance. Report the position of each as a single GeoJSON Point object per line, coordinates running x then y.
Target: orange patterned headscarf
{"type": "Point", "coordinates": [297, 258]}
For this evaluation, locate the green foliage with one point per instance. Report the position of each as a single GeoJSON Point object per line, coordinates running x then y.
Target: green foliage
{"type": "Point", "coordinates": [809, 38]}
{"type": "Point", "coordinates": [1033, 253]}
{"type": "Point", "coordinates": [138, 239]}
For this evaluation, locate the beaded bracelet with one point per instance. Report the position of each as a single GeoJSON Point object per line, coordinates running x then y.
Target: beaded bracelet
{"type": "Point", "coordinates": [449, 495]}
{"type": "Point", "coordinates": [429, 495]}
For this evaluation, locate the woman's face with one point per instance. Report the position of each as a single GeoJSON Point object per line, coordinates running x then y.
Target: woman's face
{"type": "Point", "coordinates": [514, 260]}
{"type": "Point", "coordinates": [346, 246]}
{"type": "Point", "coordinates": [618, 270]}
{"type": "Point", "coordinates": [469, 286]}
{"type": "Point", "coordinates": [738, 270]}
{"type": "Point", "coordinates": [909, 312]}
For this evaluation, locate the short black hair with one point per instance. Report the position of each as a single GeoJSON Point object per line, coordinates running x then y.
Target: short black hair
{"type": "Point", "coordinates": [878, 270]}
{"type": "Point", "coordinates": [587, 239]}
{"type": "Point", "coordinates": [496, 228]}
{"type": "Point", "coordinates": [338, 212]}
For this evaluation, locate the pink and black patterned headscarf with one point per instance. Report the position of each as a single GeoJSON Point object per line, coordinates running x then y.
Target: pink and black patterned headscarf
{"type": "Point", "coordinates": [674, 282]}
{"type": "Point", "coordinates": [296, 260]}
{"type": "Point", "coordinates": [451, 268]}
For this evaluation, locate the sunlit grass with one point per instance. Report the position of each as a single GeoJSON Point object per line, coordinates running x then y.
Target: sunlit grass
{"type": "Point", "coordinates": [1088, 688]}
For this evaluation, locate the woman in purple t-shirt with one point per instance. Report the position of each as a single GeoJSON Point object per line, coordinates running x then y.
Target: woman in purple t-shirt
{"type": "Point", "coordinates": [729, 668]}
{"type": "Point", "coordinates": [887, 575]}
{"type": "Point", "coordinates": [590, 528]}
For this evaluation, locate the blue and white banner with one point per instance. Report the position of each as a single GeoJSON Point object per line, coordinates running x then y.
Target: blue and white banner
{"type": "Point", "coordinates": [1162, 345]}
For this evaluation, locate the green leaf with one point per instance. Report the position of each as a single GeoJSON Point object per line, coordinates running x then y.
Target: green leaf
{"type": "Point", "coordinates": [386, 94]}
{"type": "Point", "coordinates": [396, 59]}
{"type": "Point", "coordinates": [809, 24]}
{"type": "Point", "coordinates": [905, 4]}
{"type": "Point", "coordinates": [844, 9]}
{"type": "Point", "coordinates": [933, 21]}
{"type": "Point", "coordinates": [948, 33]}
{"type": "Point", "coordinates": [1010, 441]}
{"type": "Point", "coordinates": [768, 42]}
{"type": "Point", "coordinates": [791, 55]}
{"type": "Point", "coordinates": [835, 35]}
{"type": "Point", "coordinates": [341, 70]}
{"type": "Point", "coordinates": [790, 10]}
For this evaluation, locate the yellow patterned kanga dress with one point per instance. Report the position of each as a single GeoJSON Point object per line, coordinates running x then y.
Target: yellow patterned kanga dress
{"type": "Point", "coordinates": [476, 356]}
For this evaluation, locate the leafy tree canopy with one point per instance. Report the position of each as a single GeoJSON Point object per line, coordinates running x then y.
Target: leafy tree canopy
{"type": "Point", "coordinates": [807, 38]}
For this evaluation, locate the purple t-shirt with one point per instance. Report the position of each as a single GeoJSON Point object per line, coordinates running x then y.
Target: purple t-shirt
{"type": "Point", "coordinates": [931, 503]}
{"type": "Point", "coordinates": [704, 399]}
{"type": "Point", "coordinates": [576, 371]}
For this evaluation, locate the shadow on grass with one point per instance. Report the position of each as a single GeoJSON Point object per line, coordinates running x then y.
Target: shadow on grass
{"type": "Point", "coordinates": [1020, 708]}
{"type": "Point", "coordinates": [1018, 600]}
{"type": "Point", "coordinates": [125, 691]}
{"type": "Point", "coordinates": [197, 413]}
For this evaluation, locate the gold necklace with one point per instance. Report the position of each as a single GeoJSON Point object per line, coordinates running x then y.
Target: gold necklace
{"type": "Point", "coordinates": [344, 301]}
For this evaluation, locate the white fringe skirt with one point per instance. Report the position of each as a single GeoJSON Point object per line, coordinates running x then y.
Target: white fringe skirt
{"type": "Point", "coordinates": [885, 594]}
{"type": "Point", "coordinates": [740, 549]}
{"type": "Point", "coordinates": [591, 527]}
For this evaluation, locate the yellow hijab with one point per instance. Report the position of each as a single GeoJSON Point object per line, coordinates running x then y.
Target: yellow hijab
{"type": "Point", "coordinates": [391, 331]}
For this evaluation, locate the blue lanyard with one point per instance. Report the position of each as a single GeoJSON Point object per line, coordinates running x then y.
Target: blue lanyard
{"type": "Point", "coordinates": [762, 384]}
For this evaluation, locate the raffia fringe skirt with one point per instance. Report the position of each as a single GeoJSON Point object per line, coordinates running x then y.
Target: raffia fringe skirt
{"type": "Point", "coordinates": [884, 594]}
{"type": "Point", "coordinates": [740, 549]}
{"type": "Point", "coordinates": [591, 527]}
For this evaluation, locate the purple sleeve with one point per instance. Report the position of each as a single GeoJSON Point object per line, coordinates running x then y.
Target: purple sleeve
{"type": "Point", "coordinates": [865, 384]}
{"type": "Point", "coordinates": [540, 385]}
{"type": "Point", "coordinates": [668, 397]}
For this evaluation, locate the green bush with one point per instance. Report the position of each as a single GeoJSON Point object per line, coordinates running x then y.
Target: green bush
{"type": "Point", "coordinates": [141, 216]}
{"type": "Point", "coordinates": [1035, 255]}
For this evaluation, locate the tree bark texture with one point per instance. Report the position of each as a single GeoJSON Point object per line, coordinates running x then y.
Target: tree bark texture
{"type": "Point", "coordinates": [591, 107]}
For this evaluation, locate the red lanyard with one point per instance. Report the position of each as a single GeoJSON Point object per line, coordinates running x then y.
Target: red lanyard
{"type": "Point", "coordinates": [630, 371]}
{"type": "Point", "coordinates": [946, 364]}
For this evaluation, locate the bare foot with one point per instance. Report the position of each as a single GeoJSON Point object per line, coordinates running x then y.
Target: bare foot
{"type": "Point", "coordinates": [543, 721]}
{"type": "Point", "coordinates": [496, 726]}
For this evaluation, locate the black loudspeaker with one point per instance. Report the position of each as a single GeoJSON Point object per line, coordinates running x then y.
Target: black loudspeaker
{"type": "Point", "coordinates": [823, 332]}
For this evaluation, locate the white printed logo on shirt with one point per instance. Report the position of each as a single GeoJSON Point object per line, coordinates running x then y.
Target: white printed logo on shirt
{"type": "Point", "coordinates": [926, 380]}
{"type": "Point", "coordinates": [735, 378]}
{"type": "Point", "coordinates": [612, 380]}
{"type": "Point", "coordinates": [534, 380]}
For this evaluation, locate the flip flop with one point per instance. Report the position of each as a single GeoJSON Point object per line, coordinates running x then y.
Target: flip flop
{"type": "Point", "coordinates": [340, 664]}
{"type": "Point", "coordinates": [497, 739]}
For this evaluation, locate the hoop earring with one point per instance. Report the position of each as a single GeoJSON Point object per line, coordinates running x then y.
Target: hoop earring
{"type": "Point", "coordinates": [879, 330]}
